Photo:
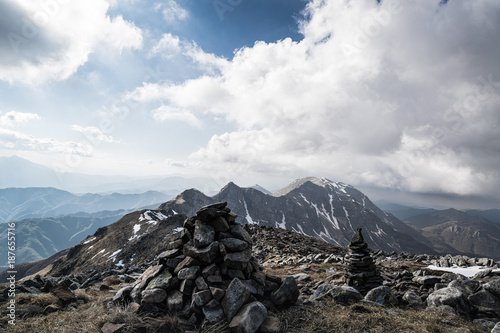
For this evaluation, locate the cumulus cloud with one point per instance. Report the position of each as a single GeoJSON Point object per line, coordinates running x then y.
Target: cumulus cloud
{"type": "Point", "coordinates": [393, 94]}
{"type": "Point", "coordinates": [173, 12]}
{"type": "Point", "coordinates": [50, 40]}
{"type": "Point", "coordinates": [166, 113]}
{"type": "Point", "coordinates": [94, 134]}
{"type": "Point", "coordinates": [167, 47]}
{"type": "Point", "coordinates": [13, 118]}
{"type": "Point", "coordinates": [15, 140]}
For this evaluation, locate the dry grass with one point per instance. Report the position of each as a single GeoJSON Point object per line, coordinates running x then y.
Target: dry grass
{"type": "Point", "coordinates": [332, 317]}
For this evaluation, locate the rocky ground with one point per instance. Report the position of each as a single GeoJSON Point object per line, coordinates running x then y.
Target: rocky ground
{"type": "Point", "coordinates": [411, 297]}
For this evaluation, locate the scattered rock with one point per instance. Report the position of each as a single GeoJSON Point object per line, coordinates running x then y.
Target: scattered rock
{"type": "Point", "coordinates": [249, 318]}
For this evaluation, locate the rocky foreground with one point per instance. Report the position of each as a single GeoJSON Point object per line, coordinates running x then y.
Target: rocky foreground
{"type": "Point", "coordinates": [216, 276]}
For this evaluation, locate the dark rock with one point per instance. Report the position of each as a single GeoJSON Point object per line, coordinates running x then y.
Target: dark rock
{"type": "Point", "coordinates": [486, 302]}
{"type": "Point", "coordinates": [341, 294]}
{"type": "Point", "coordinates": [204, 234]}
{"type": "Point", "coordinates": [287, 293]}
{"type": "Point", "coordinates": [468, 287]}
{"type": "Point", "coordinates": [164, 280]}
{"type": "Point", "coordinates": [249, 318]}
{"type": "Point", "coordinates": [62, 291]}
{"type": "Point", "coordinates": [238, 260]}
{"type": "Point", "coordinates": [270, 325]}
{"type": "Point", "coordinates": [189, 273]}
{"type": "Point", "coordinates": [493, 287]}
{"type": "Point", "coordinates": [234, 244]}
{"type": "Point", "coordinates": [412, 298]}
{"type": "Point", "coordinates": [236, 295]}
{"type": "Point", "coordinates": [202, 297]}
{"type": "Point", "coordinates": [382, 295]}
{"type": "Point", "coordinates": [156, 295]}
{"type": "Point", "coordinates": [213, 315]}
{"type": "Point", "coordinates": [149, 274]}
{"type": "Point", "coordinates": [205, 254]}
{"type": "Point", "coordinates": [217, 293]}
{"type": "Point", "coordinates": [220, 224]}
{"type": "Point", "coordinates": [175, 301]}
{"type": "Point", "coordinates": [238, 232]}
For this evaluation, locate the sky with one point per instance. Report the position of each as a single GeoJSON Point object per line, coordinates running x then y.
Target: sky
{"type": "Point", "coordinates": [397, 96]}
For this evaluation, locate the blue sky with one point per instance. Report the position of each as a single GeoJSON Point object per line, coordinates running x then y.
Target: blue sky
{"type": "Point", "coordinates": [389, 95]}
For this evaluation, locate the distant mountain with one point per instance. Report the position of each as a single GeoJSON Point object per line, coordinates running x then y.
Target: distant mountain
{"type": "Point", "coordinates": [402, 212]}
{"type": "Point", "coordinates": [491, 214]}
{"type": "Point", "coordinates": [455, 232]}
{"type": "Point", "coordinates": [315, 207]}
{"type": "Point", "coordinates": [19, 172]}
{"type": "Point", "coordinates": [260, 188]}
{"type": "Point", "coordinates": [22, 203]}
{"type": "Point", "coordinates": [40, 238]}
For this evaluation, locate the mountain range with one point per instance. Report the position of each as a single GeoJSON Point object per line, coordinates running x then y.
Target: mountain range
{"type": "Point", "coordinates": [22, 203]}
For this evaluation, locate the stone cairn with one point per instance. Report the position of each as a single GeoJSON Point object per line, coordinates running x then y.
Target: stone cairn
{"type": "Point", "coordinates": [362, 273]}
{"type": "Point", "coordinates": [208, 274]}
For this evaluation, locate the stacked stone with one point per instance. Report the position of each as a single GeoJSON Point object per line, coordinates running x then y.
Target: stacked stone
{"type": "Point", "coordinates": [208, 274]}
{"type": "Point", "coordinates": [362, 273]}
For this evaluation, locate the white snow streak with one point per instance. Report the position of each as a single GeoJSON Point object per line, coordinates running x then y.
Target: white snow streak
{"type": "Point", "coordinates": [89, 240]}
{"type": "Point", "coordinates": [281, 225]}
{"type": "Point", "coordinates": [248, 217]}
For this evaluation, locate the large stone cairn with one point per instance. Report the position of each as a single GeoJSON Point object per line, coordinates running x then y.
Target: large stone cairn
{"type": "Point", "coordinates": [362, 273]}
{"type": "Point", "coordinates": [208, 274]}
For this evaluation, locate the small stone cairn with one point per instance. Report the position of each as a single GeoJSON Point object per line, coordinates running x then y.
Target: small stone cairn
{"type": "Point", "coordinates": [208, 274]}
{"type": "Point", "coordinates": [362, 273]}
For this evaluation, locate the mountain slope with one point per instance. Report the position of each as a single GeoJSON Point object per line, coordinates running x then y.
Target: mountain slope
{"type": "Point", "coordinates": [453, 231]}
{"type": "Point", "coordinates": [22, 203]}
{"type": "Point", "coordinates": [39, 238]}
{"type": "Point", "coordinates": [491, 214]}
{"type": "Point", "coordinates": [316, 207]}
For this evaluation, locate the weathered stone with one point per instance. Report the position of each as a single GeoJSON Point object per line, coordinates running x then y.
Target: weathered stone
{"type": "Point", "coordinates": [234, 244]}
{"type": "Point", "coordinates": [249, 318]}
{"type": "Point", "coordinates": [213, 315]}
{"type": "Point", "coordinates": [452, 297]}
{"type": "Point", "coordinates": [287, 293]}
{"type": "Point", "coordinates": [468, 287]}
{"type": "Point", "coordinates": [238, 260]}
{"type": "Point", "coordinates": [412, 298]}
{"type": "Point", "coordinates": [189, 273]}
{"type": "Point", "coordinates": [496, 329]}
{"type": "Point", "coordinates": [213, 303]}
{"type": "Point", "coordinates": [200, 283]}
{"type": "Point", "coordinates": [213, 279]}
{"type": "Point", "coordinates": [205, 254]}
{"type": "Point", "coordinates": [236, 295]}
{"type": "Point", "coordinates": [382, 295]}
{"type": "Point", "coordinates": [112, 328]}
{"type": "Point", "coordinates": [270, 325]}
{"type": "Point", "coordinates": [164, 280]}
{"type": "Point", "coordinates": [175, 301]}
{"type": "Point", "coordinates": [149, 274]}
{"type": "Point", "coordinates": [123, 295]}
{"type": "Point", "coordinates": [238, 232]}
{"type": "Point", "coordinates": [212, 211]}
{"type": "Point", "coordinates": [427, 280]}
{"type": "Point", "coordinates": [62, 291]}
{"type": "Point", "coordinates": [202, 297]}
{"type": "Point", "coordinates": [217, 293]}
{"type": "Point", "coordinates": [341, 294]}
{"type": "Point", "coordinates": [220, 224]}
{"type": "Point", "coordinates": [175, 244]}
{"type": "Point", "coordinates": [156, 295]}
{"type": "Point", "coordinates": [133, 307]}
{"type": "Point", "coordinates": [169, 254]}
{"type": "Point", "coordinates": [235, 273]}
{"type": "Point", "coordinates": [493, 287]}
{"type": "Point", "coordinates": [187, 262]}
{"type": "Point", "coordinates": [209, 270]}
{"type": "Point", "coordinates": [204, 234]}
{"type": "Point", "coordinates": [485, 302]}
{"type": "Point", "coordinates": [187, 287]}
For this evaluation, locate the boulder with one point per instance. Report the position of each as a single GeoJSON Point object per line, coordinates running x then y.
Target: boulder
{"type": "Point", "coordinates": [149, 274]}
{"type": "Point", "coordinates": [486, 302]}
{"type": "Point", "coordinates": [156, 295]}
{"type": "Point", "coordinates": [164, 280]}
{"type": "Point", "coordinates": [496, 329]}
{"type": "Point", "coordinates": [382, 295]}
{"type": "Point", "coordinates": [123, 295]}
{"type": "Point", "coordinates": [270, 325]}
{"type": "Point", "coordinates": [341, 294]}
{"type": "Point", "coordinates": [493, 287]}
{"type": "Point", "coordinates": [175, 301]}
{"type": "Point", "coordinates": [62, 291]}
{"type": "Point", "coordinates": [412, 298]}
{"type": "Point", "coordinates": [249, 318]}
{"type": "Point", "coordinates": [205, 254]}
{"type": "Point", "coordinates": [287, 293]}
{"type": "Point", "coordinates": [468, 287]}
{"type": "Point", "coordinates": [450, 296]}
{"type": "Point", "coordinates": [236, 295]}
{"type": "Point", "coordinates": [204, 234]}
{"type": "Point", "coordinates": [234, 244]}
{"type": "Point", "coordinates": [213, 315]}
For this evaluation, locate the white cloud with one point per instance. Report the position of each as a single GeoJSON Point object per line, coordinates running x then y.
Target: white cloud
{"type": "Point", "coordinates": [12, 118]}
{"type": "Point", "coordinates": [173, 12]}
{"type": "Point", "coordinates": [15, 140]}
{"type": "Point", "coordinates": [177, 164]}
{"type": "Point", "coordinates": [94, 134]}
{"type": "Point", "coordinates": [168, 46]}
{"type": "Point", "coordinates": [401, 94]}
{"type": "Point", "coordinates": [164, 113]}
{"type": "Point", "coordinates": [50, 41]}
